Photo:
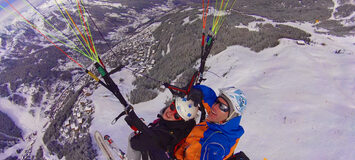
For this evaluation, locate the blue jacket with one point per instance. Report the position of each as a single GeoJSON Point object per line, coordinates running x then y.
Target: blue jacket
{"type": "Point", "coordinates": [210, 141]}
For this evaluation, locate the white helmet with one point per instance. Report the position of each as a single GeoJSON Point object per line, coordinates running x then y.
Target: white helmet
{"type": "Point", "coordinates": [185, 108]}
{"type": "Point", "coordinates": [236, 98]}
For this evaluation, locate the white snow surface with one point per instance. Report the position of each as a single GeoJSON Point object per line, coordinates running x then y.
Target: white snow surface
{"type": "Point", "coordinates": [29, 124]}
{"type": "Point", "coordinates": [301, 101]}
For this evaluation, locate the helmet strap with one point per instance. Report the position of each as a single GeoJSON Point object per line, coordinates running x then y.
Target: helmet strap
{"type": "Point", "coordinates": [231, 115]}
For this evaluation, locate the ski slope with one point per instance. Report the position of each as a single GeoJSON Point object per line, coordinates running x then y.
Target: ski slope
{"type": "Point", "coordinates": [301, 99]}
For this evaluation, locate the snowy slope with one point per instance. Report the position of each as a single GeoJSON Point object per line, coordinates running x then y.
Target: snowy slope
{"type": "Point", "coordinates": [301, 101]}
{"type": "Point", "coordinates": [30, 125]}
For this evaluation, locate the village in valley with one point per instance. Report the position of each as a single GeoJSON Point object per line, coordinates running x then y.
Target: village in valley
{"type": "Point", "coordinates": [135, 54]}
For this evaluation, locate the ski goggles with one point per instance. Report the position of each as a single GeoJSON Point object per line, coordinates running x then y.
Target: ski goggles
{"type": "Point", "coordinates": [173, 108]}
{"type": "Point", "coordinates": [222, 106]}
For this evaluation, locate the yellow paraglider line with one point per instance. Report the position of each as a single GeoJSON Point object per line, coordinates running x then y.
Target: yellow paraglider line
{"type": "Point", "coordinates": [12, 13]}
{"type": "Point", "coordinates": [45, 33]}
{"type": "Point", "coordinates": [85, 35]}
{"type": "Point", "coordinates": [218, 27]}
{"type": "Point", "coordinates": [89, 38]}
{"type": "Point", "coordinates": [88, 32]}
{"type": "Point", "coordinates": [78, 30]}
{"type": "Point", "coordinates": [34, 27]}
{"type": "Point", "coordinates": [96, 55]}
{"type": "Point", "coordinates": [73, 30]}
{"type": "Point", "coordinates": [219, 18]}
{"type": "Point", "coordinates": [74, 47]}
{"type": "Point", "coordinates": [70, 26]}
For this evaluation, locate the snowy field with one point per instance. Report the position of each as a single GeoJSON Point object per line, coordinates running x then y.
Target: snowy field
{"type": "Point", "coordinates": [301, 99]}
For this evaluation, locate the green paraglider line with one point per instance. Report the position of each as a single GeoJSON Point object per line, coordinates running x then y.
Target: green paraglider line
{"type": "Point", "coordinates": [12, 13]}
{"type": "Point", "coordinates": [77, 28]}
{"type": "Point", "coordinates": [70, 26]}
{"type": "Point", "coordinates": [43, 34]}
{"type": "Point", "coordinates": [233, 4]}
{"type": "Point", "coordinates": [75, 47]}
{"type": "Point", "coordinates": [47, 33]}
{"type": "Point", "coordinates": [215, 23]}
{"type": "Point", "coordinates": [218, 22]}
{"type": "Point", "coordinates": [85, 35]}
{"type": "Point", "coordinates": [224, 17]}
{"type": "Point", "coordinates": [83, 20]}
{"type": "Point", "coordinates": [214, 15]}
{"type": "Point", "coordinates": [96, 55]}
{"type": "Point", "coordinates": [102, 36]}
{"type": "Point", "coordinates": [73, 30]}
{"type": "Point", "coordinates": [88, 36]}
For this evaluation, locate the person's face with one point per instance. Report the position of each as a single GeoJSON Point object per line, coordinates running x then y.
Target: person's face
{"type": "Point", "coordinates": [170, 114]}
{"type": "Point", "coordinates": [216, 115]}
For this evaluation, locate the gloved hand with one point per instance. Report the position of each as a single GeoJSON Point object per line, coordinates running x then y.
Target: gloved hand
{"type": "Point", "coordinates": [195, 95]}
{"type": "Point", "coordinates": [175, 90]}
{"type": "Point", "coordinates": [134, 121]}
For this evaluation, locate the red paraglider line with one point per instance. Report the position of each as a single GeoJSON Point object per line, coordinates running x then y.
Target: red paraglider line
{"type": "Point", "coordinates": [204, 13]}
{"type": "Point", "coordinates": [90, 40]}
{"type": "Point", "coordinates": [43, 34]}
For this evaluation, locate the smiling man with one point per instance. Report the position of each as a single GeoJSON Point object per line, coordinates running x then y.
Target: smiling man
{"type": "Point", "coordinates": [218, 136]}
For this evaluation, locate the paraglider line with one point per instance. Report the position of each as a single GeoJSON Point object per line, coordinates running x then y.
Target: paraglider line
{"type": "Point", "coordinates": [85, 25]}
{"type": "Point", "coordinates": [78, 30]}
{"type": "Point", "coordinates": [75, 47]}
{"type": "Point", "coordinates": [43, 34]}
{"type": "Point", "coordinates": [102, 36]}
{"type": "Point", "coordinates": [71, 27]}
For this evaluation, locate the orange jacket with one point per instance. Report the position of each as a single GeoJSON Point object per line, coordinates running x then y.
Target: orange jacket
{"type": "Point", "coordinates": [210, 141]}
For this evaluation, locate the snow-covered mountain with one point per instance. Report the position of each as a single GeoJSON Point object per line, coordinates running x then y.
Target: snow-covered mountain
{"type": "Point", "coordinates": [300, 103]}
{"type": "Point", "coordinates": [38, 78]}
{"type": "Point", "coordinates": [300, 99]}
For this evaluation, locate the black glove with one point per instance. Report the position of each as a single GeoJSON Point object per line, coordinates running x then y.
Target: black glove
{"type": "Point", "coordinates": [175, 90]}
{"type": "Point", "coordinates": [134, 121]}
{"type": "Point", "coordinates": [195, 95]}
